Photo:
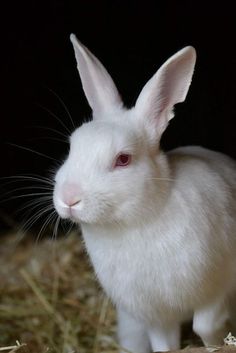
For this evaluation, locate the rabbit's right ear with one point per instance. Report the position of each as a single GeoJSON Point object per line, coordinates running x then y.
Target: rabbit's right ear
{"type": "Point", "coordinates": [98, 86]}
{"type": "Point", "coordinates": [169, 86]}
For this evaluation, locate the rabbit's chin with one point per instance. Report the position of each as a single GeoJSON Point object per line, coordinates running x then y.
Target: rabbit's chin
{"type": "Point", "coordinates": [77, 215]}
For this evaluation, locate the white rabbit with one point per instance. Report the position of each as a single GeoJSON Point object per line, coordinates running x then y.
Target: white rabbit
{"type": "Point", "coordinates": [160, 229]}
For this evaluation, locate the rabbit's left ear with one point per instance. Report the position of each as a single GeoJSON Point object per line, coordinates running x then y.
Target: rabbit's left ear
{"type": "Point", "coordinates": [98, 86]}
{"type": "Point", "coordinates": [169, 86]}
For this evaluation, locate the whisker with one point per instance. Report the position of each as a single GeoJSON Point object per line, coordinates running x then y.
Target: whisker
{"type": "Point", "coordinates": [33, 151]}
{"type": "Point", "coordinates": [34, 204]}
{"type": "Point", "coordinates": [38, 176]}
{"type": "Point", "coordinates": [28, 177]}
{"type": "Point", "coordinates": [53, 130]}
{"type": "Point", "coordinates": [63, 104]}
{"type": "Point", "coordinates": [55, 116]}
{"type": "Point", "coordinates": [32, 220]}
{"type": "Point", "coordinates": [41, 199]}
{"type": "Point", "coordinates": [70, 228]}
{"type": "Point", "coordinates": [45, 224]}
{"type": "Point", "coordinates": [26, 195]}
{"type": "Point", "coordinates": [28, 188]}
{"type": "Point", "coordinates": [56, 226]}
{"type": "Point", "coordinates": [48, 138]}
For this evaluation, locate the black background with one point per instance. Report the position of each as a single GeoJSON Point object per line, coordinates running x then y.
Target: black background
{"type": "Point", "coordinates": [132, 39]}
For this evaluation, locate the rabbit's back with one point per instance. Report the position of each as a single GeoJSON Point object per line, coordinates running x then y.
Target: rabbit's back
{"type": "Point", "coordinates": [205, 183]}
{"type": "Point", "coordinates": [214, 162]}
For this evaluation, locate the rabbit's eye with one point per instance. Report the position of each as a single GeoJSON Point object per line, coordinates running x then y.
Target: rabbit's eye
{"type": "Point", "coordinates": [123, 160]}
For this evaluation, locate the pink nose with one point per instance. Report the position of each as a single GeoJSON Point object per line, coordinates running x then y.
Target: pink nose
{"type": "Point", "coordinates": [71, 194]}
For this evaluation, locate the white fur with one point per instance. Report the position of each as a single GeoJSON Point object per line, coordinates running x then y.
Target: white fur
{"type": "Point", "coordinates": [161, 231]}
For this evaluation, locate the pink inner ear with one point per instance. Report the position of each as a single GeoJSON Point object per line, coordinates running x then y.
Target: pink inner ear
{"type": "Point", "coordinates": [166, 88]}
{"type": "Point", "coordinates": [123, 160]}
{"type": "Point", "coordinates": [98, 85]}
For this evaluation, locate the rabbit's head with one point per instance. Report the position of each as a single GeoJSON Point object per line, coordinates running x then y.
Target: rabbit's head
{"type": "Point", "coordinates": [115, 171]}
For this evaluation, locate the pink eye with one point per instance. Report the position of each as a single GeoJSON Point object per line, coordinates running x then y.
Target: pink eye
{"type": "Point", "coordinates": [123, 160]}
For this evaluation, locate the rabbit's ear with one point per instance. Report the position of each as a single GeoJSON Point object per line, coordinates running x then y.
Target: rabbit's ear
{"type": "Point", "coordinates": [98, 86]}
{"type": "Point", "coordinates": [167, 87]}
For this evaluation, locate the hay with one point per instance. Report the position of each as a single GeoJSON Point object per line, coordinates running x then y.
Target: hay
{"type": "Point", "coordinates": [50, 301]}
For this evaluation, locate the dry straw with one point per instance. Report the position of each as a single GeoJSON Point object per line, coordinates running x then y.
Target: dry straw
{"type": "Point", "coordinates": [50, 299]}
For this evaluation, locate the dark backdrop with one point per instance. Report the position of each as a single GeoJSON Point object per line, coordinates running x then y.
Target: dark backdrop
{"type": "Point", "coordinates": [132, 39]}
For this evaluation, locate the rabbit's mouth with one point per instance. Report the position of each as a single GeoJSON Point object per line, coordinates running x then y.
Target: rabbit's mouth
{"type": "Point", "coordinates": [73, 211]}
{"type": "Point", "coordinates": [80, 210]}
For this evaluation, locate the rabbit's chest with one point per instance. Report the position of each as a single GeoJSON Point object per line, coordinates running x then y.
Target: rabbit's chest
{"type": "Point", "coordinates": [157, 276]}
{"type": "Point", "coordinates": [140, 288]}
{"type": "Point", "coordinates": [141, 278]}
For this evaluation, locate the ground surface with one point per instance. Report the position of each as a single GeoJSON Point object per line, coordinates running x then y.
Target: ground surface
{"type": "Point", "coordinates": [50, 300]}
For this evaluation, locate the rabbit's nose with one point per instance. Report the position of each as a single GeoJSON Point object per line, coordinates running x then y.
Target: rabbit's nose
{"type": "Point", "coordinates": [71, 194]}
{"type": "Point", "coordinates": [73, 203]}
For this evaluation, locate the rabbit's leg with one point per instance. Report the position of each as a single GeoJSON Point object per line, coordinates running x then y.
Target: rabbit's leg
{"type": "Point", "coordinates": [212, 323]}
{"type": "Point", "coordinates": [132, 334]}
{"type": "Point", "coordinates": [165, 338]}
